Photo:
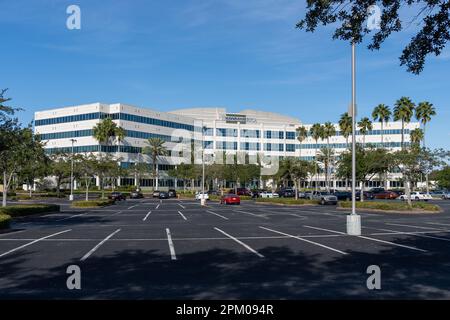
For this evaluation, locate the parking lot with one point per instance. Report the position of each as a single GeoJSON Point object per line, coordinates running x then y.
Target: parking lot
{"type": "Point", "coordinates": [176, 249]}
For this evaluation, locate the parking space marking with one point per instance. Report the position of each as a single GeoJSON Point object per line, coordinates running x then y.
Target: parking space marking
{"type": "Point", "coordinates": [99, 245]}
{"type": "Point", "coordinates": [182, 206]}
{"type": "Point", "coordinates": [182, 215]}
{"type": "Point", "coordinates": [369, 238]}
{"type": "Point", "coordinates": [133, 206]}
{"type": "Point", "coordinates": [171, 246]}
{"type": "Point", "coordinates": [74, 216]}
{"type": "Point", "coordinates": [118, 212]}
{"type": "Point", "coordinates": [305, 240]}
{"type": "Point", "coordinates": [33, 242]}
{"type": "Point", "coordinates": [252, 214]}
{"type": "Point", "coordinates": [219, 215]}
{"type": "Point", "coordinates": [240, 242]}
{"type": "Point", "coordinates": [157, 206]}
{"type": "Point", "coordinates": [418, 227]}
{"type": "Point", "coordinates": [409, 233]}
{"type": "Point", "coordinates": [145, 218]}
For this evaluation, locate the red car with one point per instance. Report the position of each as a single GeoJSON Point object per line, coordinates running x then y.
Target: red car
{"type": "Point", "coordinates": [230, 199]}
{"type": "Point", "coordinates": [243, 192]}
{"type": "Point", "coordinates": [386, 195]}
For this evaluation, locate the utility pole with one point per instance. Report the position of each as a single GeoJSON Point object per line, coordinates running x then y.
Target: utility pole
{"type": "Point", "coordinates": [203, 200]}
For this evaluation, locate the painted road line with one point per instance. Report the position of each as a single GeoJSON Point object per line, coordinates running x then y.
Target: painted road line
{"type": "Point", "coordinates": [145, 218]}
{"type": "Point", "coordinates": [240, 242]}
{"type": "Point", "coordinates": [74, 216]}
{"type": "Point", "coordinates": [182, 215]}
{"type": "Point", "coordinates": [252, 214]}
{"type": "Point", "coordinates": [437, 223]}
{"type": "Point", "coordinates": [411, 226]}
{"type": "Point", "coordinates": [118, 212]}
{"type": "Point", "coordinates": [171, 246]}
{"type": "Point", "coordinates": [369, 238]}
{"type": "Point", "coordinates": [409, 233]}
{"type": "Point", "coordinates": [33, 242]}
{"type": "Point", "coordinates": [219, 215]}
{"type": "Point", "coordinates": [182, 206]}
{"type": "Point", "coordinates": [157, 206]}
{"type": "Point", "coordinates": [308, 241]}
{"type": "Point", "coordinates": [132, 207]}
{"type": "Point", "coordinates": [99, 245]}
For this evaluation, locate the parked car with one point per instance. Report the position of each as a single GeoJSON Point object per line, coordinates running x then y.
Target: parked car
{"type": "Point", "coordinates": [324, 197]}
{"type": "Point", "coordinates": [398, 192]}
{"type": "Point", "coordinates": [377, 190]}
{"type": "Point", "coordinates": [243, 192]}
{"type": "Point", "coordinates": [213, 192]}
{"type": "Point", "coordinates": [386, 195]}
{"type": "Point", "coordinates": [446, 195]}
{"type": "Point", "coordinates": [417, 196]}
{"type": "Point", "coordinates": [172, 193]}
{"type": "Point", "coordinates": [201, 195]}
{"type": "Point", "coordinates": [164, 195]}
{"type": "Point", "coordinates": [256, 193]}
{"type": "Point", "coordinates": [268, 194]}
{"type": "Point", "coordinates": [136, 195]}
{"type": "Point", "coordinates": [117, 196]}
{"type": "Point", "coordinates": [286, 193]}
{"type": "Point", "coordinates": [343, 195]}
{"type": "Point", "coordinates": [230, 199]}
{"type": "Point", "coordinates": [301, 195]}
{"type": "Point", "coordinates": [156, 194]}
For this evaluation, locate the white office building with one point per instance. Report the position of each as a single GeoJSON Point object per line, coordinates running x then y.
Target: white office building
{"type": "Point", "coordinates": [248, 131]}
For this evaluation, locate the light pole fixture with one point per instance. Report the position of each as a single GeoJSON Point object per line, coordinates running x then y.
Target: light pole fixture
{"type": "Point", "coordinates": [353, 220]}
{"type": "Point", "coordinates": [202, 198]}
{"type": "Point", "coordinates": [71, 172]}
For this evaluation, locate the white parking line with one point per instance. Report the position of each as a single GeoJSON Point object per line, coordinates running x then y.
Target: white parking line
{"type": "Point", "coordinates": [219, 215]}
{"type": "Point", "coordinates": [157, 206]}
{"type": "Point", "coordinates": [74, 216]}
{"type": "Point", "coordinates": [308, 241]}
{"type": "Point", "coordinates": [182, 215]}
{"type": "Point", "coordinates": [118, 212]}
{"type": "Point", "coordinates": [252, 214]}
{"type": "Point", "coordinates": [409, 233]}
{"type": "Point", "coordinates": [132, 207]}
{"type": "Point", "coordinates": [441, 224]}
{"type": "Point", "coordinates": [182, 206]}
{"type": "Point", "coordinates": [411, 226]}
{"type": "Point", "coordinates": [240, 242]}
{"type": "Point", "coordinates": [369, 238]}
{"type": "Point", "coordinates": [33, 242]}
{"type": "Point", "coordinates": [145, 218]}
{"type": "Point", "coordinates": [98, 245]}
{"type": "Point", "coordinates": [171, 246]}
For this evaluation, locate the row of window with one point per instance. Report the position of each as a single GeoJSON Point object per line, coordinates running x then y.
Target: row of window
{"type": "Point", "coordinates": [344, 145]}
{"type": "Point", "coordinates": [161, 167]}
{"type": "Point", "coordinates": [114, 116]}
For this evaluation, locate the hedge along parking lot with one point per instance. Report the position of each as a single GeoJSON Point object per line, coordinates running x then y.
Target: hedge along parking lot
{"type": "Point", "coordinates": [4, 221]}
{"type": "Point", "coordinates": [417, 207]}
{"type": "Point", "coordinates": [29, 209]}
{"type": "Point", "coordinates": [92, 203]}
{"type": "Point", "coordinates": [287, 201]}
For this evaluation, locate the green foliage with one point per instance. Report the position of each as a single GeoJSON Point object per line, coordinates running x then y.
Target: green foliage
{"type": "Point", "coordinates": [443, 177]}
{"type": "Point", "coordinates": [391, 206]}
{"type": "Point", "coordinates": [288, 201]}
{"type": "Point", "coordinates": [92, 203]}
{"type": "Point", "coordinates": [4, 221]}
{"type": "Point", "coordinates": [29, 209]}
{"type": "Point", "coordinates": [107, 129]}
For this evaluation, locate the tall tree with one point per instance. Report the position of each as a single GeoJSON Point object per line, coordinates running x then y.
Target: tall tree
{"type": "Point", "coordinates": [155, 149]}
{"type": "Point", "coordinates": [351, 21]}
{"type": "Point", "coordinates": [403, 111]}
{"type": "Point", "coordinates": [345, 126]}
{"type": "Point", "coordinates": [302, 134]}
{"type": "Point", "coordinates": [382, 114]}
{"type": "Point", "coordinates": [328, 131]}
{"type": "Point", "coordinates": [365, 125]}
{"type": "Point", "coordinates": [316, 132]}
{"type": "Point", "coordinates": [416, 137]}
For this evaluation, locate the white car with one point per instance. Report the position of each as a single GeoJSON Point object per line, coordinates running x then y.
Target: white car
{"type": "Point", "coordinates": [267, 194]}
{"type": "Point", "coordinates": [200, 195]}
{"type": "Point", "coordinates": [417, 196]}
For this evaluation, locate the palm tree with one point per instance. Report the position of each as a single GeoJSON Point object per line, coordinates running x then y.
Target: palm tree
{"type": "Point", "coordinates": [382, 114]}
{"type": "Point", "coordinates": [417, 136]}
{"type": "Point", "coordinates": [345, 126]}
{"type": "Point", "coordinates": [316, 132]}
{"type": "Point", "coordinates": [155, 149]}
{"type": "Point", "coordinates": [324, 157]}
{"type": "Point", "coordinates": [328, 131]}
{"type": "Point", "coordinates": [403, 111]}
{"type": "Point", "coordinates": [424, 112]}
{"type": "Point", "coordinates": [302, 134]}
{"type": "Point", "coordinates": [365, 125]}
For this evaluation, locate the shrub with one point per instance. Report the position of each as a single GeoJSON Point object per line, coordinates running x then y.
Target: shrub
{"type": "Point", "coordinates": [287, 201]}
{"type": "Point", "coordinates": [391, 206]}
{"type": "Point", "coordinates": [92, 203]}
{"type": "Point", "coordinates": [29, 209]}
{"type": "Point", "coordinates": [4, 221]}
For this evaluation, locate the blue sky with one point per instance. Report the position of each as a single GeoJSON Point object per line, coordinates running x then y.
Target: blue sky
{"type": "Point", "coordinates": [189, 53]}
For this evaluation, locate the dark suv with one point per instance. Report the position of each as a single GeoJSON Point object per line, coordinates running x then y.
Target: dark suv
{"type": "Point", "coordinates": [116, 196]}
{"type": "Point", "coordinates": [243, 192]}
{"type": "Point", "coordinates": [172, 193]}
{"type": "Point", "coordinates": [286, 193]}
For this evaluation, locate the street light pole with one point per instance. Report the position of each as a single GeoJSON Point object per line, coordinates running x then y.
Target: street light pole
{"type": "Point", "coordinates": [71, 172]}
{"type": "Point", "coordinates": [203, 200]}
{"type": "Point", "coordinates": [353, 220]}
